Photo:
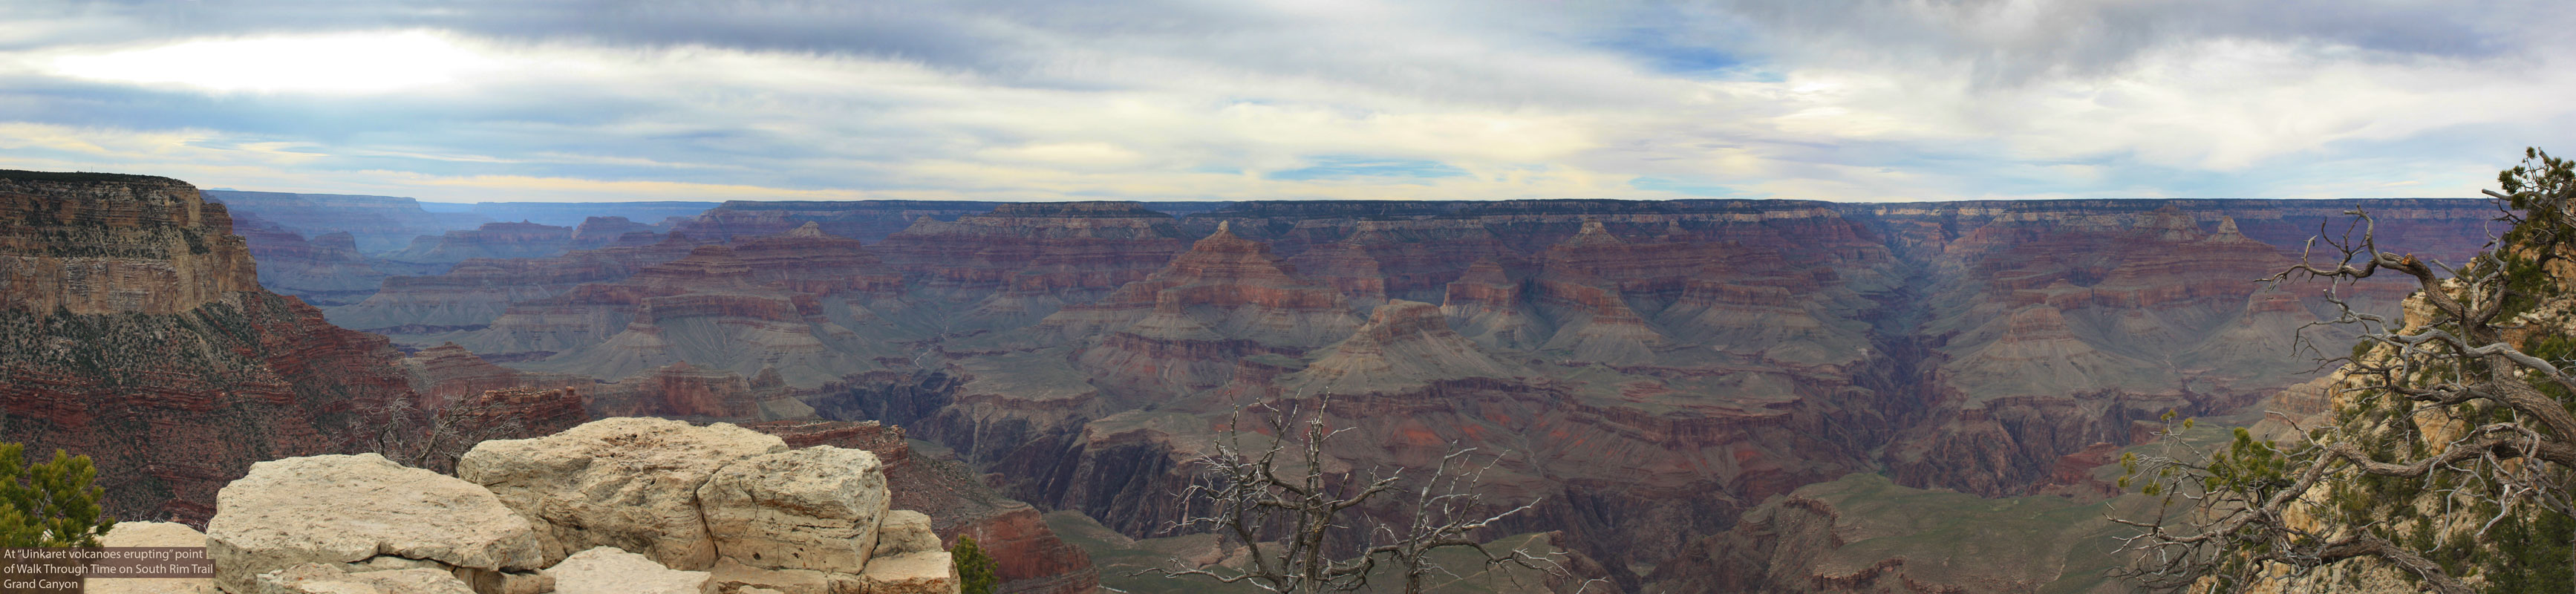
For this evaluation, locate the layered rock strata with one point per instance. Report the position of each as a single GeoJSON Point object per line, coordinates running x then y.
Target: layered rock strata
{"type": "Point", "coordinates": [133, 330]}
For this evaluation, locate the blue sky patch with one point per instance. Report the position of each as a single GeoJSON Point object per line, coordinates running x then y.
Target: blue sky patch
{"type": "Point", "coordinates": [1353, 166]}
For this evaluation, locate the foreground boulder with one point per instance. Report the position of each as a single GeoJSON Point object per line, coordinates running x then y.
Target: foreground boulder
{"type": "Point", "coordinates": [150, 534]}
{"type": "Point", "coordinates": [630, 483]}
{"type": "Point", "coordinates": [649, 506]}
{"type": "Point", "coordinates": [911, 573]}
{"type": "Point", "coordinates": [816, 508]}
{"type": "Point", "coordinates": [906, 531]}
{"type": "Point", "coordinates": [607, 570]}
{"type": "Point", "coordinates": [363, 510]}
{"type": "Point", "coordinates": [317, 578]}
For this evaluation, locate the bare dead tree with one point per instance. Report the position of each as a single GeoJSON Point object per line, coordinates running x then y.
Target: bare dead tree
{"type": "Point", "coordinates": [1277, 499]}
{"type": "Point", "coordinates": [2467, 406]}
{"type": "Point", "coordinates": [435, 439]}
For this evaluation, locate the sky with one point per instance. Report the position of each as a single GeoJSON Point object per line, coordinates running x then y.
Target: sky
{"type": "Point", "coordinates": [1848, 100]}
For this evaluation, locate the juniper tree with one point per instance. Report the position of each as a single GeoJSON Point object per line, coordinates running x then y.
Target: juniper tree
{"type": "Point", "coordinates": [2451, 457]}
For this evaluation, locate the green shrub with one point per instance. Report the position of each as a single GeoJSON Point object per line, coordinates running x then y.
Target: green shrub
{"type": "Point", "coordinates": [50, 504]}
{"type": "Point", "coordinates": [974, 568]}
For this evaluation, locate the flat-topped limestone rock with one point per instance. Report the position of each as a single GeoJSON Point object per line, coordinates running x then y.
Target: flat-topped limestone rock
{"type": "Point", "coordinates": [816, 508]}
{"type": "Point", "coordinates": [319, 578]}
{"type": "Point", "coordinates": [630, 483]}
{"type": "Point", "coordinates": [348, 509]}
{"type": "Point", "coordinates": [607, 570]}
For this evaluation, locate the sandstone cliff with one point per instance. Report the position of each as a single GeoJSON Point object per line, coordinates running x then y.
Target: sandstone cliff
{"type": "Point", "coordinates": [136, 333]}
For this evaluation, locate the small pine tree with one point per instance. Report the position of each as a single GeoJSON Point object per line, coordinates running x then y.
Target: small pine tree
{"type": "Point", "coordinates": [50, 504]}
{"type": "Point", "coordinates": [975, 570]}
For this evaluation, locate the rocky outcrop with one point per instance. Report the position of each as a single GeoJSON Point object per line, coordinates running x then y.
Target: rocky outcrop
{"type": "Point", "coordinates": [318, 578]}
{"type": "Point", "coordinates": [954, 502]}
{"type": "Point", "coordinates": [136, 333]}
{"type": "Point", "coordinates": [812, 509]}
{"type": "Point", "coordinates": [364, 510]}
{"type": "Point", "coordinates": [608, 570]}
{"type": "Point", "coordinates": [619, 505]}
{"type": "Point", "coordinates": [599, 232]}
{"type": "Point", "coordinates": [1405, 344]}
{"type": "Point", "coordinates": [448, 373]}
{"type": "Point", "coordinates": [628, 483]}
{"type": "Point", "coordinates": [114, 245]}
{"type": "Point", "coordinates": [150, 534]}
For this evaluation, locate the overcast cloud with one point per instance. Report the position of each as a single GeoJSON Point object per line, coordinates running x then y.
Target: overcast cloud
{"type": "Point", "coordinates": [1265, 99]}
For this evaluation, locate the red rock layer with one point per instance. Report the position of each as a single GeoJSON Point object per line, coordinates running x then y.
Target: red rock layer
{"type": "Point", "coordinates": [1021, 262]}
{"type": "Point", "coordinates": [685, 391]}
{"type": "Point", "coordinates": [1182, 328]}
{"type": "Point", "coordinates": [806, 260]}
{"type": "Point", "coordinates": [447, 374]}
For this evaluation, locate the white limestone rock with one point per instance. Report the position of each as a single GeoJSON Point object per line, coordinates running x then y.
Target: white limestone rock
{"type": "Point", "coordinates": [815, 508]}
{"type": "Point", "coordinates": [349, 509]}
{"type": "Point", "coordinates": [906, 531]}
{"type": "Point", "coordinates": [630, 483]}
{"type": "Point", "coordinates": [912, 573]}
{"type": "Point", "coordinates": [322, 578]}
{"type": "Point", "coordinates": [733, 574]}
{"type": "Point", "coordinates": [151, 534]}
{"type": "Point", "coordinates": [608, 570]}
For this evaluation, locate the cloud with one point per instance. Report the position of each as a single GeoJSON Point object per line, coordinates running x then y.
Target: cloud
{"type": "Point", "coordinates": [1850, 100]}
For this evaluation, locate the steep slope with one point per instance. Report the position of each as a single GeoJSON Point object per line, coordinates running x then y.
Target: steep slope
{"type": "Point", "coordinates": [2057, 333]}
{"type": "Point", "coordinates": [1405, 344]}
{"type": "Point", "coordinates": [132, 330]}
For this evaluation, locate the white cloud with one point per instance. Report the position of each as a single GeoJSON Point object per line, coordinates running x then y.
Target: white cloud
{"type": "Point", "coordinates": [1861, 100]}
{"type": "Point", "coordinates": [354, 63]}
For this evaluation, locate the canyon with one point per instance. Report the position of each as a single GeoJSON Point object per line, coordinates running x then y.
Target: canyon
{"type": "Point", "coordinates": [1649, 375]}
{"type": "Point", "coordinates": [138, 334]}
{"type": "Point", "coordinates": [1682, 391]}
